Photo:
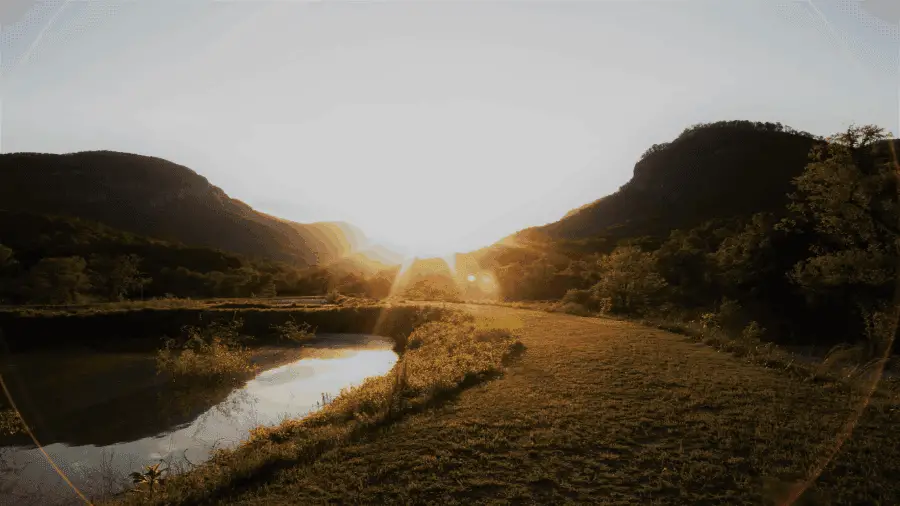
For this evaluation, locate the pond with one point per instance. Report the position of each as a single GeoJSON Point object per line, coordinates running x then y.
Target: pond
{"type": "Point", "coordinates": [101, 418]}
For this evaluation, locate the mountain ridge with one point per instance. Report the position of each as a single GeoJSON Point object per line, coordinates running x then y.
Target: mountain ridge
{"type": "Point", "coordinates": [150, 196]}
{"type": "Point", "coordinates": [720, 169]}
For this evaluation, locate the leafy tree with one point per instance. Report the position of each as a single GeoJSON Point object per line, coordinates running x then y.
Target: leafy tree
{"type": "Point", "coordinates": [629, 280]}
{"type": "Point", "coordinates": [845, 204]}
{"type": "Point", "coordinates": [117, 277]}
{"type": "Point", "coordinates": [352, 284]}
{"type": "Point", "coordinates": [267, 288]}
{"type": "Point", "coordinates": [379, 286]}
{"type": "Point", "coordinates": [847, 199]}
{"type": "Point", "coordinates": [58, 280]}
{"type": "Point", "coordinates": [433, 287]}
{"type": "Point", "coordinates": [684, 263]}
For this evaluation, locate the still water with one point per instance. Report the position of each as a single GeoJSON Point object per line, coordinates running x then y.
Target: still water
{"type": "Point", "coordinates": [97, 448]}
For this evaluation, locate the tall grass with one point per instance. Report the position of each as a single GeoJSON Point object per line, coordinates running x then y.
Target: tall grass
{"type": "Point", "coordinates": [441, 358]}
{"type": "Point", "coordinates": [212, 354]}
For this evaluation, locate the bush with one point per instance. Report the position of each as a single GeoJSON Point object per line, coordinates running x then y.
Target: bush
{"type": "Point", "coordinates": [574, 308]}
{"type": "Point", "coordinates": [729, 314]}
{"type": "Point", "coordinates": [605, 305]}
{"type": "Point", "coordinates": [10, 422]}
{"type": "Point", "coordinates": [709, 322]}
{"type": "Point", "coordinates": [291, 331]}
{"type": "Point", "coordinates": [211, 354]}
{"type": "Point", "coordinates": [753, 332]}
{"type": "Point", "coordinates": [333, 297]}
{"type": "Point", "coordinates": [581, 297]}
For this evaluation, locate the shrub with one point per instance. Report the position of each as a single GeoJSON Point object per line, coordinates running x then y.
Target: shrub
{"type": "Point", "coordinates": [879, 326]}
{"type": "Point", "coordinates": [605, 304]}
{"type": "Point", "coordinates": [210, 354]}
{"type": "Point", "coordinates": [575, 308]}
{"type": "Point", "coordinates": [753, 332]}
{"type": "Point", "coordinates": [581, 297]}
{"type": "Point", "coordinates": [709, 322]}
{"type": "Point", "coordinates": [291, 331]}
{"type": "Point", "coordinates": [729, 314]}
{"type": "Point", "coordinates": [333, 297]}
{"type": "Point", "coordinates": [10, 422]}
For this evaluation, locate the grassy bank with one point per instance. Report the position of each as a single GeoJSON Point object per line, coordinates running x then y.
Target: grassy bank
{"type": "Point", "coordinates": [597, 411]}
{"type": "Point", "coordinates": [440, 359]}
{"type": "Point", "coordinates": [109, 361]}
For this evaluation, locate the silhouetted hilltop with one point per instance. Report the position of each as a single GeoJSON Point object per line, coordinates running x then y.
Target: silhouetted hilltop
{"type": "Point", "coordinates": [157, 198]}
{"type": "Point", "coordinates": [716, 170]}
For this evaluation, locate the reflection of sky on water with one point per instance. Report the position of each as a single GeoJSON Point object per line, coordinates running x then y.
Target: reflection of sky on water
{"type": "Point", "coordinates": [287, 391]}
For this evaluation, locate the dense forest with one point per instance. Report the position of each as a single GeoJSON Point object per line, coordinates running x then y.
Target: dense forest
{"type": "Point", "coordinates": [819, 267]}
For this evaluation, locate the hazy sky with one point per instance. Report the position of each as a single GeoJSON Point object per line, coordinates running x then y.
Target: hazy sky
{"type": "Point", "coordinates": [431, 125]}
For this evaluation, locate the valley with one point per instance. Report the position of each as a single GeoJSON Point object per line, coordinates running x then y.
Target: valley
{"type": "Point", "coordinates": [638, 351]}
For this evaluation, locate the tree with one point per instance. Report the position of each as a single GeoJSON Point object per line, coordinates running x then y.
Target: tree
{"type": "Point", "coordinates": [628, 280]}
{"type": "Point", "coordinates": [267, 288]}
{"type": "Point", "coordinates": [683, 262]}
{"type": "Point", "coordinates": [847, 197]}
{"type": "Point", "coordinates": [351, 284]}
{"type": "Point", "coordinates": [846, 202]}
{"type": "Point", "coordinates": [433, 287]}
{"type": "Point", "coordinates": [379, 286]}
{"type": "Point", "coordinates": [58, 280]}
{"type": "Point", "coordinates": [117, 277]}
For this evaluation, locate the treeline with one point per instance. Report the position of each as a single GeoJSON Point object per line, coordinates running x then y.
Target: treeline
{"type": "Point", "coordinates": [738, 125]}
{"type": "Point", "coordinates": [58, 260]}
{"type": "Point", "coordinates": [823, 270]}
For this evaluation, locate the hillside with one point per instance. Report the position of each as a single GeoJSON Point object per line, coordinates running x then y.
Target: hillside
{"type": "Point", "coordinates": [58, 259]}
{"type": "Point", "coordinates": [160, 199]}
{"type": "Point", "coordinates": [716, 170]}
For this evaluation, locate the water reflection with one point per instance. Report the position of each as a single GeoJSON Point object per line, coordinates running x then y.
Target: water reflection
{"type": "Point", "coordinates": [101, 445]}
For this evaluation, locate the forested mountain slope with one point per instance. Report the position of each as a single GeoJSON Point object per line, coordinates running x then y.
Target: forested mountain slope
{"type": "Point", "coordinates": [157, 198]}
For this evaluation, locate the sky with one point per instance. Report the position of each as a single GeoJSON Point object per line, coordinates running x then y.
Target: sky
{"type": "Point", "coordinates": [433, 126]}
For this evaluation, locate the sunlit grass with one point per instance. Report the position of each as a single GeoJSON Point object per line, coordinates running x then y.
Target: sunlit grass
{"type": "Point", "coordinates": [441, 358]}
{"type": "Point", "coordinates": [213, 353]}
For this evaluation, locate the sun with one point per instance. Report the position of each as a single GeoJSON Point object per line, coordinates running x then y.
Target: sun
{"type": "Point", "coordinates": [471, 278]}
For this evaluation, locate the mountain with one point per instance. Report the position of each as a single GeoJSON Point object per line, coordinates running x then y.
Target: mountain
{"type": "Point", "coordinates": [160, 199]}
{"type": "Point", "coordinates": [716, 170]}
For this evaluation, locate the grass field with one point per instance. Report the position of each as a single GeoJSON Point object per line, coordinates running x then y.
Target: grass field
{"type": "Point", "coordinates": [609, 412]}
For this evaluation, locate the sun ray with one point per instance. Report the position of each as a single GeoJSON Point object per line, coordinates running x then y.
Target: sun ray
{"type": "Point", "coordinates": [450, 260]}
